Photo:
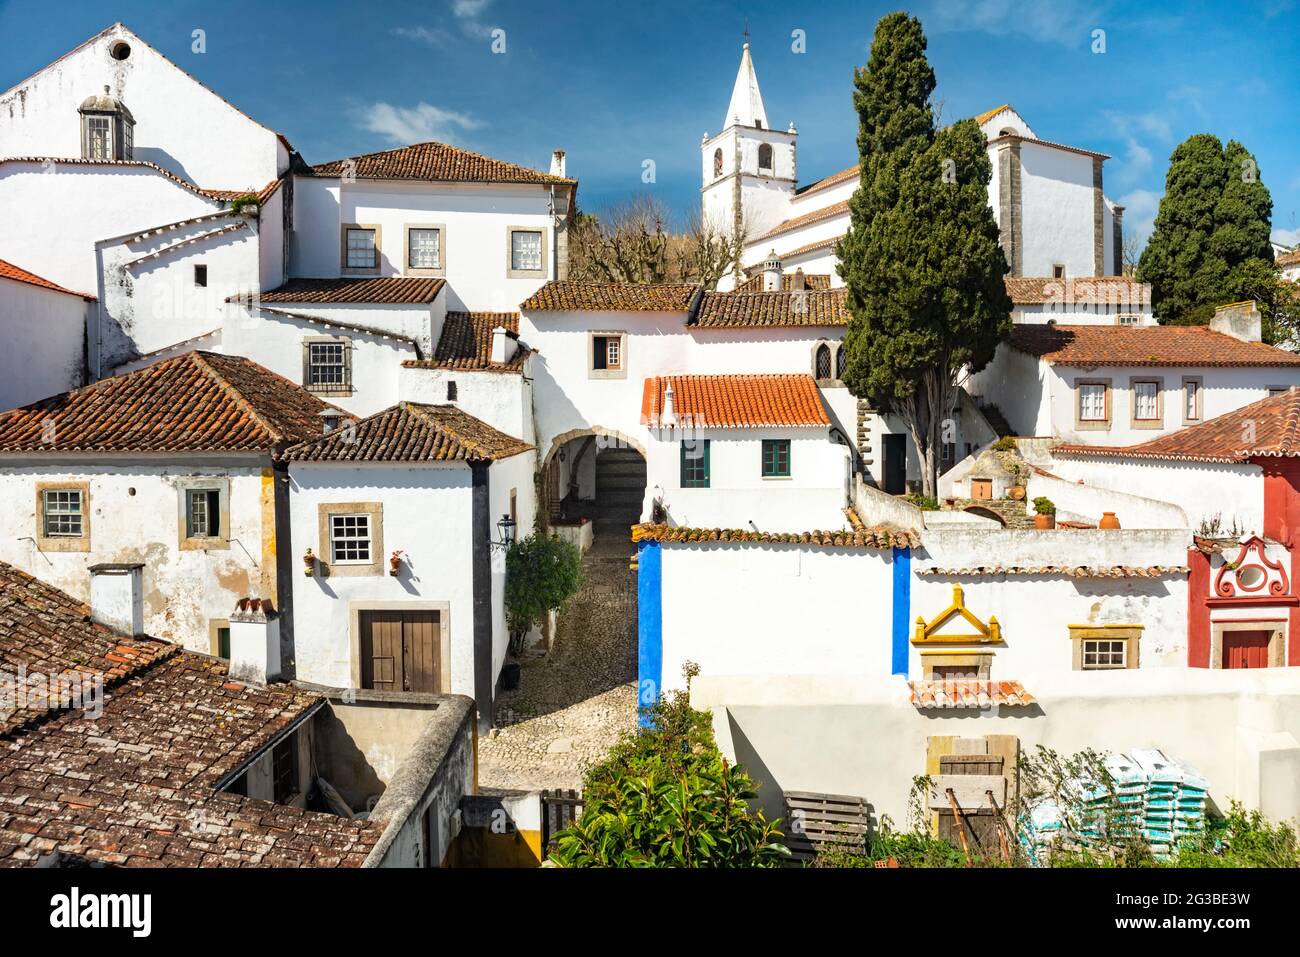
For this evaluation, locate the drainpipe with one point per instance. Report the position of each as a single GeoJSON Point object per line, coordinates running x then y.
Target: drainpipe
{"type": "Point", "coordinates": [481, 589]}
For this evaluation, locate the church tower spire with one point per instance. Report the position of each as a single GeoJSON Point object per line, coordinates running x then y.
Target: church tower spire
{"type": "Point", "coordinates": [746, 106]}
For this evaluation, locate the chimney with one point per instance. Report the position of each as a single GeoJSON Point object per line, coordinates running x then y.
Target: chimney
{"type": "Point", "coordinates": [504, 346]}
{"type": "Point", "coordinates": [329, 420]}
{"type": "Point", "coordinates": [668, 416]}
{"type": "Point", "coordinates": [557, 163]}
{"type": "Point", "coordinates": [772, 273]}
{"type": "Point", "coordinates": [254, 641]}
{"type": "Point", "coordinates": [1241, 320]}
{"type": "Point", "coordinates": [798, 282]}
{"type": "Point", "coordinates": [117, 596]}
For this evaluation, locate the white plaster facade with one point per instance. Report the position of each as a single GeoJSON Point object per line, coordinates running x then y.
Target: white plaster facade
{"type": "Point", "coordinates": [44, 332]}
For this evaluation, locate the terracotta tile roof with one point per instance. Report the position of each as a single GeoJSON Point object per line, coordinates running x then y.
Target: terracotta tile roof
{"type": "Point", "coordinates": [9, 271]}
{"type": "Point", "coordinates": [411, 432]}
{"type": "Point", "coordinates": [736, 401]}
{"type": "Point", "coordinates": [131, 779]}
{"type": "Point", "coordinates": [968, 693]}
{"type": "Point", "coordinates": [812, 247]}
{"type": "Point", "coordinates": [566, 294]}
{"type": "Point", "coordinates": [989, 114]}
{"type": "Point", "coordinates": [230, 195]}
{"type": "Point", "coordinates": [811, 281]}
{"type": "Point", "coordinates": [436, 162]}
{"type": "Point", "coordinates": [1121, 291]}
{"type": "Point", "coordinates": [466, 343]}
{"type": "Point", "coordinates": [197, 402]}
{"type": "Point", "coordinates": [805, 219]}
{"type": "Point", "coordinates": [826, 182]}
{"type": "Point", "coordinates": [1288, 259]}
{"type": "Point", "coordinates": [1273, 423]}
{"type": "Point", "coordinates": [743, 310]}
{"type": "Point", "coordinates": [1093, 346]}
{"type": "Point", "coordinates": [876, 538]}
{"type": "Point", "coordinates": [387, 290]}
{"type": "Point", "coordinates": [1055, 571]}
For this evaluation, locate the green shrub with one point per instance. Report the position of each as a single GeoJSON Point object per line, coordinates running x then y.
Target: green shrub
{"type": "Point", "coordinates": [923, 502]}
{"type": "Point", "coordinates": [1005, 444]}
{"type": "Point", "coordinates": [1044, 505]}
{"type": "Point", "coordinates": [666, 797]}
{"type": "Point", "coordinates": [542, 573]}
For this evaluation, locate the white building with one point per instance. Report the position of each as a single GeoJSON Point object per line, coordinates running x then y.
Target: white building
{"type": "Point", "coordinates": [45, 324]}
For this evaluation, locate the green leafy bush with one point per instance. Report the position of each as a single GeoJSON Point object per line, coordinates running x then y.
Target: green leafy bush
{"type": "Point", "coordinates": [666, 797]}
{"type": "Point", "coordinates": [542, 573]}
{"type": "Point", "coordinates": [1044, 505]}
{"type": "Point", "coordinates": [1005, 444]}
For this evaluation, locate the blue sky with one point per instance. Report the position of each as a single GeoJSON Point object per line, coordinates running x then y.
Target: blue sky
{"type": "Point", "coordinates": [616, 84]}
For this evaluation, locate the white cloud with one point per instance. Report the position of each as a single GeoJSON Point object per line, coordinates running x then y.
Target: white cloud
{"type": "Point", "coordinates": [1287, 237]}
{"type": "Point", "coordinates": [1069, 22]}
{"type": "Point", "coordinates": [1132, 127]}
{"type": "Point", "coordinates": [433, 36]}
{"type": "Point", "coordinates": [467, 14]}
{"type": "Point", "coordinates": [415, 124]}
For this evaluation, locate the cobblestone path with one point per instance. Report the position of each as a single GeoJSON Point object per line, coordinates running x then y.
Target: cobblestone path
{"type": "Point", "coordinates": [573, 704]}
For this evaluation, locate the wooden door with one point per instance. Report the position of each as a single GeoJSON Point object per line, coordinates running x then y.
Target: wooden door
{"type": "Point", "coordinates": [981, 488]}
{"type": "Point", "coordinates": [1245, 649]}
{"type": "Point", "coordinates": [401, 650]}
{"type": "Point", "coordinates": [895, 463]}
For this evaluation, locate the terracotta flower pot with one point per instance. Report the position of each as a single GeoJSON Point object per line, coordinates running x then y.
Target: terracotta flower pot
{"type": "Point", "coordinates": [1108, 520]}
{"type": "Point", "coordinates": [308, 563]}
{"type": "Point", "coordinates": [1044, 521]}
{"type": "Point", "coordinates": [1018, 493]}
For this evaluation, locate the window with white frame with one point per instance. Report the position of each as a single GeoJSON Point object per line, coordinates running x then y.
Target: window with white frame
{"type": "Point", "coordinates": [1126, 320]}
{"type": "Point", "coordinates": [1100, 654]}
{"type": "Point", "coordinates": [1092, 402]}
{"type": "Point", "coordinates": [202, 513]}
{"type": "Point", "coordinates": [350, 539]}
{"type": "Point", "coordinates": [360, 248]}
{"type": "Point", "coordinates": [424, 248]}
{"type": "Point", "coordinates": [607, 354]}
{"type": "Point", "coordinates": [327, 365]}
{"type": "Point", "coordinates": [526, 250]}
{"type": "Point", "coordinates": [62, 513]}
{"type": "Point", "coordinates": [1146, 400]}
{"type": "Point", "coordinates": [99, 137]}
{"type": "Point", "coordinates": [1191, 399]}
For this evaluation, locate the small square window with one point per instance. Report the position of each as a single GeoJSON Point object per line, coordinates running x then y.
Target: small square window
{"type": "Point", "coordinates": [62, 513]}
{"type": "Point", "coordinates": [350, 542]}
{"type": "Point", "coordinates": [362, 252]}
{"type": "Point", "coordinates": [1100, 654]}
{"type": "Point", "coordinates": [202, 513]}
{"type": "Point", "coordinates": [776, 458]}
{"type": "Point", "coordinates": [424, 248]}
{"type": "Point", "coordinates": [1127, 320]}
{"type": "Point", "coordinates": [607, 353]}
{"type": "Point", "coordinates": [695, 463]}
{"type": "Point", "coordinates": [526, 250]}
{"type": "Point", "coordinates": [200, 275]}
{"type": "Point", "coordinates": [1058, 271]}
{"type": "Point", "coordinates": [328, 366]}
{"type": "Point", "coordinates": [451, 390]}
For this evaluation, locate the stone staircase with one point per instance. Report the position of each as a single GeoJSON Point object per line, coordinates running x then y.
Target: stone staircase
{"type": "Point", "coordinates": [996, 420]}
{"type": "Point", "coordinates": [863, 438]}
{"type": "Point", "coordinates": [620, 487]}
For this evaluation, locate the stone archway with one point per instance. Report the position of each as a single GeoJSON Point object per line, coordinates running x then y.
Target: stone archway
{"type": "Point", "coordinates": [596, 474]}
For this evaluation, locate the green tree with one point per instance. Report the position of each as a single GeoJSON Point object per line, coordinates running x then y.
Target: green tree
{"type": "Point", "coordinates": [666, 797]}
{"type": "Point", "coordinates": [542, 573]}
{"type": "Point", "coordinates": [921, 259]}
{"type": "Point", "coordinates": [1211, 240]}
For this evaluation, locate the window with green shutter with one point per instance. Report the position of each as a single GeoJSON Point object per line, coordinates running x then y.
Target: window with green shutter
{"type": "Point", "coordinates": [695, 463]}
{"type": "Point", "coordinates": [776, 458]}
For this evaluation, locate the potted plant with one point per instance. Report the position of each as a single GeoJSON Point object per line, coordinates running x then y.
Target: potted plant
{"type": "Point", "coordinates": [542, 573]}
{"type": "Point", "coordinates": [1045, 512]}
{"type": "Point", "coordinates": [308, 563]}
{"type": "Point", "coordinates": [395, 562]}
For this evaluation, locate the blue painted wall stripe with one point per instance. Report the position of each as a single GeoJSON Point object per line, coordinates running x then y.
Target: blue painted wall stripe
{"type": "Point", "coordinates": [902, 608]}
{"type": "Point", "coordinates": [650, 620]}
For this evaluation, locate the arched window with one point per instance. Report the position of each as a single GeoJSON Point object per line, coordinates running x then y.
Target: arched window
{"type": "Point", "coordinates": [765, 157]}
{"type": "Point", "coordinates": [717, 162]}
{"type": "Point", "coordinates": [841, 362]}
{"type": "Point", "coordinates": [823, 362]}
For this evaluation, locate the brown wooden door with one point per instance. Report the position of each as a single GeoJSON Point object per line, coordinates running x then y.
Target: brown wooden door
{"type": "Point", "coordinates": [1245, 649]}
{"type": "Point", "coordinates": [401, 650]}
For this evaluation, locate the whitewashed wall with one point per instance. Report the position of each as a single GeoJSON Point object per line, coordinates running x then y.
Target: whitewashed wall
{"type": "Point", "coordinates": [44, 333]}
{"type": "Point", "coordinates": [179, 124]}
{"type": "Point", "coordinates": [476, 245]}
{"type": "Point", "coordinates": [502, 400]}
{"type": "Point", "coordinates": [1057, 209]}
{"type": "Point", "coordinates": [514, 474]}
{"type": "Point", "coordinates": [183, 589]}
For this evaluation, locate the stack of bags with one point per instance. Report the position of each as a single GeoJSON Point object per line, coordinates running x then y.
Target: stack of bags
{"type": "Point", "coordinates": [1175, 802]}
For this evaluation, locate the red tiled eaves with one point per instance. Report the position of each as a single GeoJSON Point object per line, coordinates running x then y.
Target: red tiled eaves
{"type": "Point", "coordinates": [1123, 292]}
{"type": "Point", "coordinates": [466, 343]}
{"type": "Point", "coordinates": [9, 271]}
{"type": "Point", "coordinates": [1272, 423]}
{"type": "Point", "coordinates": [788, 281]}
{"type": "Point", "coordinates": [736, 401]}
{"type": "Point", "coordinates": [826, 182]}
{"type": "Point", "coordinates": [968, 694]}
{"type": "Point", "coordinates": [568, 295]}
{"type": "Point", "coordinates": [747, 310]}
{"type": "Point", "coordinates": [436, 162]}
{"type": "Point", "coordinates": [1085, 346]}
{"type": "Point", "coordinates": [411, 432]}
{"type": "Point", "coordinates": [197, 402]}
{"type": "Point", "coordinates": [384, 290]}
{"type": "Point", "coordinates": [877, 538]}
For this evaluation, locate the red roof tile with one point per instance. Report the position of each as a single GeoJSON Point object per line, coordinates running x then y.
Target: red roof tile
{"type": "Point", "coordinates": [968, 693]}
{"type": "Point", "coordinates": [197, 402]}
{"type": "Point", "coordinates": [410, 432]}
{"type": "Point", "coordinates": [1272, 423]}
{"type": "Point", "coordinates": [387, 290]}
{"type": "Point", "coordinates": [1121, 291]}
{"type": "Point", "coordinates": [811, 281]}
{"type": "Point", "coordinates": [826, 182]}
{"type": "Point", "coordinates": [805, 219]}
{"type": "Point", "coordinates": [747, 310]}
{"type": "Point", "coordinates": [9, 271]}
{"type": "Point", "coordinates": [876, 538]}
{"type": "Point", "coordinates": [569, 295]}
{"type": "Point", "coordinates": [436, 162]}
{"type": "Point", "coordinates": [736, 401]}
{"type": "Point", "coordinates": [1094, 346]}
{"type": "Point", "coordinates": [466, 343]}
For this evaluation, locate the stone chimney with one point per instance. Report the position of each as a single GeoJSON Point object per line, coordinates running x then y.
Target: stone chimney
{"type": "Point", "coordinates": [798, 282]}
{"type": "Point", "coordinates": [1241, 320]}
{"type": "Point", "coordinates": [557, 163]}
{"type": "Point", "coordinates": [667, 416]}
{"type": "Point", "coordinates": [772, 273]}
{"type": "Point", "coordinates": [504, 346]}
{"type": "Point", "coordinates": [117, 596]}
{"type": "Point", "coordinates": [254, 641]}
{"type": "Point", "coordinates": [329, 420]}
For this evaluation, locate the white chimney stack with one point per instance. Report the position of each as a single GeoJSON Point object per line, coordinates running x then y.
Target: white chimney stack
{"type": "Point", "coordinates": [504, 346]}
{"type": "Point", "coordinates": [668, 416]}
{"type": "Point", "coordinates": [254, 641]}
{"type": "Point", "coordinates": [772, 273]}
{"type": "Point", "coordinates": [557, 163]}
{"type": "Point", "coordinates": [1241, 320]}
{"type": "Point", "coordinates": [117, 596]}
